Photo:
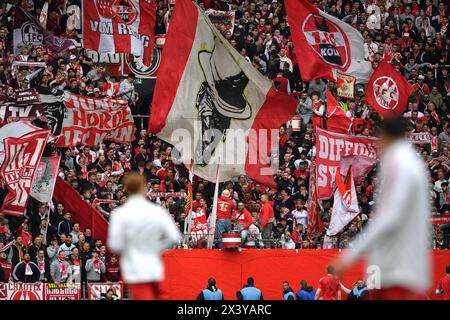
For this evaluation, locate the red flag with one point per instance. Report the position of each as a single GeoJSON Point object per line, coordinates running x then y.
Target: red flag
{"type": "Point", "coordinates": [22, 156]}
{"type": "Point", "coordinates": [345, 204]}
{"type": "Point", "coordinates": [125, 26]}
{"type": "Point", "coordinates": [210, 95]}
{"type": "Point", "coordinates": [387, 91]}
{"type": "Point", "coordinates": [337, 119]}
{"type": "Point", "coordinates": [325, 43]}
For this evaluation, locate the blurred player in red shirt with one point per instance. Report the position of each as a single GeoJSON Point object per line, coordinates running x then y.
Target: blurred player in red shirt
{"type": "Point", "coordinates": [444, 285]}
{"type": "Point", "coordinates": [329, 288]}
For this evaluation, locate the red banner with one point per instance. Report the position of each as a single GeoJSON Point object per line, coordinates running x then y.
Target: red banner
{"type": "Point", "coordinates": [22, 156]}
{"type": "Point", "coordinates": [440, 219]}
{"type": "Point", "coordinates": [62, 291]}
{"type": "Point", "coordinates": [40, 291]}
{"type": "Point", "coordinates": [96, 289]}
{"type": "Point", "coordinates": [330, 148]}
{"type": "Point", "coordinates": [90, 121]}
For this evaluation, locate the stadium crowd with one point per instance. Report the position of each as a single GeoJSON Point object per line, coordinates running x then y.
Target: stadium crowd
{"type": "Point", "coordinates": [413, 34]}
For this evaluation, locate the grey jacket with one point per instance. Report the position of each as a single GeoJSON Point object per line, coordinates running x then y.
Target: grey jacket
{"type": "Point", "coordinates": [91, 274]}
{"type": "Point", "coordinates": [55, 271]}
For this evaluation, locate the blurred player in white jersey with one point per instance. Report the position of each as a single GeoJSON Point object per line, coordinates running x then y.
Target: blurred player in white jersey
{"type": "Point", "coordinates": [397, 239]}
{"type": "Point", "coordinates": [139, 231]}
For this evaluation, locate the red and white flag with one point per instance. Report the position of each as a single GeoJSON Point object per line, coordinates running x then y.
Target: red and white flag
{"type": "Point", "coordinates": [213, 105]}
{"type": "Point", "coordinates": [43, 15]}
{"type": "Point", "coordinates": [345, 205]}
{"type": "Point", "coordinates": [387, 91]}
{"type": "Point", "coordinates": [337, 120]}
{"type": "Point", "coordinates": [120, 26]}
{"type": "Point", "coordinates": [22, 156]}
{"type": "Point", "coordinates": [326, 44]}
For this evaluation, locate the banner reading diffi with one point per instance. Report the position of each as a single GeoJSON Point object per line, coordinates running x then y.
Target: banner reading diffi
{"type": "Point", "coordinates": [330, 148]}
{"type": "Point", "coordinates": [120, 26]}
{"type": "Point", "coordinates": [89, 121]}
{"type": "Point", "coordinates": [22, 156]}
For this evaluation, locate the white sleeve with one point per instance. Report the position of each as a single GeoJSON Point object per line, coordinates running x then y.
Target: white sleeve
{"type": "Point", "coordinates": [392, 204]}
{"type": "Point", "coordinates": [116, 241]}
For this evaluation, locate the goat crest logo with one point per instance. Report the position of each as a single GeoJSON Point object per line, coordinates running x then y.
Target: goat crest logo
{"type": "Point", "coordinates": [219, 99]}
{"type": "Point", "coordinates": [328, 40]}
{"type": "Point", "coordinates": [123, 10]}
{"type": "Point", "coordinates": [386, 92]}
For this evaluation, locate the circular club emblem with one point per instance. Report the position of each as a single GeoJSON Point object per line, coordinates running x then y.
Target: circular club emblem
{"type": "Point", "coordinates": [24, 295]}
{"type": "Point", "coordinates": [120, 9]}
{"type": "Point", "coordinates": [141, 70]}
{"type": "Point", "coordinates": [385, 91]}
{"type": "Point", "coordinates": [31, 35]}
{"type": "Point", "coordinates": [328, 40]}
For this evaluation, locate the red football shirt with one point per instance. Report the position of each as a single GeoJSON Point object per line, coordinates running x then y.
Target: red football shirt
{"type": "Point", "coordinates": [444, 285]}
{"type": "Point", "coordinates": [329, 287]}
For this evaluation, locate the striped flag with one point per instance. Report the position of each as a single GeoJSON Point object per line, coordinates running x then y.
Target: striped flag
{"type": "Point", "coordinates": [345, 205]}
{"type": "Point", "coordinates": [125, 26]}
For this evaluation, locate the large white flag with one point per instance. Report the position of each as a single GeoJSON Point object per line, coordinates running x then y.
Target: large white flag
{"type": "Point", "coordinates": [345, 206]}
{"type": "Point", "coordinates": [213, 105]}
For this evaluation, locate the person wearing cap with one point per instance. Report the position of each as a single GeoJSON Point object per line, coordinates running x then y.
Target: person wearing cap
{"type": "Point", "coordinates": [225, 207]}
{"type": "Point", "coordinates": [397, 239]}
{"type": "Point", "coordinates": [421, 87]}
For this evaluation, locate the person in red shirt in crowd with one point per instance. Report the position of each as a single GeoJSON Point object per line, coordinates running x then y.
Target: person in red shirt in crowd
{"type": "Point", "coordinates": [443, 287]}
{"type": "Point", "coordinates": [318, 111]}
{"type": "Point", "coordinates": [196, 202]}
{"type": "Point", "coordinates": [242, 220]}
{"type": "Point", "coordinates": [329, 287]}
{"type": "Point", "coordinates": [267, 218]}
{"type": "Point", "coordinates": [223, 224]}
{"type": "Point", "coordinates": [112, 273]}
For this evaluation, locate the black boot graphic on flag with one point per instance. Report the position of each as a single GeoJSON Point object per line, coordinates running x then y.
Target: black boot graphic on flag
{"type": "Point", "coordinates": [220, 99]}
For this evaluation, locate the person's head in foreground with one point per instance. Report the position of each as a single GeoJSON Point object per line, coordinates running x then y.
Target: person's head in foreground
{"type": "Point", "coordinates": [391, 130]}
{"type": "Point", "coordinates": [134, 184]}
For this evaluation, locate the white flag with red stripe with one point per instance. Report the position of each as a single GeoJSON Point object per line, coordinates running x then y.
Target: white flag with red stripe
{"type": "Point", "coordinates": [120, 26]}
{"type": "Point", "coordinates": [345, 206]}
{"type": "Point", "coordinates": [213, 105]}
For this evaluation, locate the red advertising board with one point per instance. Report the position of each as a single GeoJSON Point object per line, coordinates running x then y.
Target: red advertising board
{"type": "Point", "coordinates": [39, 291]}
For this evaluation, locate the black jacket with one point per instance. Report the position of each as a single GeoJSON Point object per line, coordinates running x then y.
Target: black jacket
{"type": "Point", "coordinates": [20, 276]}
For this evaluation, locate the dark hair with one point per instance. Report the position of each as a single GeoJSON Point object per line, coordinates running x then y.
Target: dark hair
{"type": "Point", "coordinates": [250, 281]}
{"type": "Point", "coordinates": [211, 282]}
{"type": "Point", "coordinates": [393, 127]}
{"type": "Point", "coordinates": [447, 269]}
{"type": "Point", "coordinates": [330, 269]}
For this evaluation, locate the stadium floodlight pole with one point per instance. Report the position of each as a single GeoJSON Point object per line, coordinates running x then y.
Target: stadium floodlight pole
{"type": "Point", "coordinates": [212, 221]}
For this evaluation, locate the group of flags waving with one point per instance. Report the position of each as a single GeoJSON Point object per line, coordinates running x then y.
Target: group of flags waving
{"type": "Point", "coordinates": [215, 107]}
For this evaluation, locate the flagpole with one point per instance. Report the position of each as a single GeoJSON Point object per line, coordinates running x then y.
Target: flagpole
{"type": "Point", "coordinates": [187, 221]}
{"type": "Point", "coordinates": [212, 222]}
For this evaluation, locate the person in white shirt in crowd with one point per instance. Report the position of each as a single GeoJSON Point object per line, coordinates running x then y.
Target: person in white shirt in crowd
{"type": "Point", "coordinates": [139, 231]}
{"type": "Point", "coordinates": [397, 238]}
{"type": "Point", "coordinates": [300, 214]}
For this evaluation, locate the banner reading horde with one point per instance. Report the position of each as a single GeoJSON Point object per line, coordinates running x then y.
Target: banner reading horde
{"type": "Point", "coordinates": [90, 121]}
{"type": "Point", "coordinates": [22, 156]}
{"type": "Point", "coordinates": [330, 148]}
